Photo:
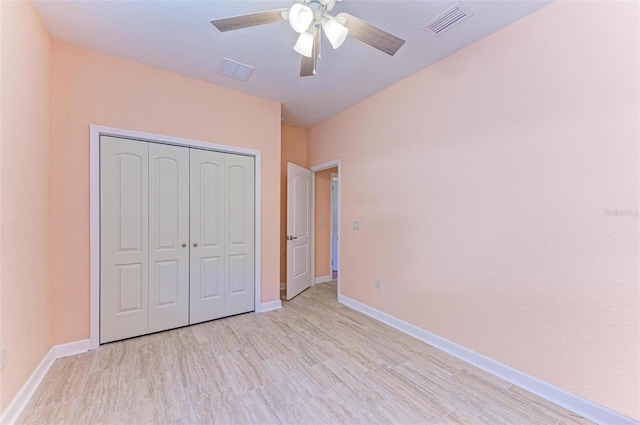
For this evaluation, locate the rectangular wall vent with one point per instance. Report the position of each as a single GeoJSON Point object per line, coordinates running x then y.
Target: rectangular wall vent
{"type": "Point", "coordinates": [235, 70]}
{"type": "Point", "coordinates": [447, 19]}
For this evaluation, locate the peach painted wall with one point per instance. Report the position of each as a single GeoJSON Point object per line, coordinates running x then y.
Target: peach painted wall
{"type": "Point", "coordinates": [25, 195]}
{"type": "Point", "coordinates": [294, 150]}
{"type": "Point", "coordinates": [323, 231]}
{"type": "Point", "coordinates": [93, 88]}
{"type": "Point", "coordinates": [492, 231]}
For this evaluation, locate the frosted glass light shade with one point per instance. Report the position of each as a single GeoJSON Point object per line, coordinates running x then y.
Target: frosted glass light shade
{"type": "Point", "coordinates": [300, 17]}
{"type": "Point", "coordinates": [304, 45]}
{"type": "Point", "coordinates": [336, 32]}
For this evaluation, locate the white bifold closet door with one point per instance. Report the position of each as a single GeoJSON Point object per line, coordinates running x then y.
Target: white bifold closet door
{"type": "Point", "coordinates": [222, 235]}
{"type": "Point", "coordinates": [240, 235]}
{"type": "Point", "coordinates": [168, 237]}
{"type": "Point", "coordinates": [124, 238]}
{"type": "Point", "coordinates": [177, 236]}
{"type": "Point", "coordinates": [207, 233]}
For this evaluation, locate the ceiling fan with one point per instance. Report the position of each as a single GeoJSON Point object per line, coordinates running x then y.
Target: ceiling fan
{"type": "Point", "coordinates": [309, 18]}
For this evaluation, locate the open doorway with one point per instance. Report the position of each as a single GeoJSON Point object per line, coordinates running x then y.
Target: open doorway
{"type": "Point", "coordinates": [326, 223]}
{"type": "Point", "coordinates": [334, 225]}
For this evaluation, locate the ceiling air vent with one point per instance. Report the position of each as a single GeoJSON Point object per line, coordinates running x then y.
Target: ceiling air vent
{"type": "Point", "coordinates": [447, 19]}
{"type": "Point", "coordinates": [235, 70]}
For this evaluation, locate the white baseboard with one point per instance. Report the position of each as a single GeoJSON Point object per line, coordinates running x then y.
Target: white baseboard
{"type": "Point", "coordinates": [71, 348]}
{"type": "Point", "coordinates": [11, 414]}
{"type": "Point", "coordinates": [322, 279]}
{"type": "Point", "coordinates": [575, 403]}
{"type": "Point", "coordinates": [272, 305]}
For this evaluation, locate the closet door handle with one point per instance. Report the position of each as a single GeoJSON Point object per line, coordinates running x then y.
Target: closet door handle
{"type": "Point", "coordinates": [195, 244]}
{"type": "Point", "coordinates": [184, 245]}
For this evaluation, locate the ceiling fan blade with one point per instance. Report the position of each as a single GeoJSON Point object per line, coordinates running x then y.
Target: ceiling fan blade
{"type": "Point", "coordinates": [308, 65]}
{"type": "Point", "coordinates": [373, 36]}
{"type": "Point", "coordinates": [251, 20]}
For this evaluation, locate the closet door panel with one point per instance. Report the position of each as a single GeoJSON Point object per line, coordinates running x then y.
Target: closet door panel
{"type": "Point", "coordinates": [211, 271]}
{"type": "Point", "coordinates": [124, 238]}
{"type": "Point", "coordinates": [207, 300]}
{"type": "Point", "coordinates": [168, 232]}
{"type": "Point", "coordinates": [239, 249]}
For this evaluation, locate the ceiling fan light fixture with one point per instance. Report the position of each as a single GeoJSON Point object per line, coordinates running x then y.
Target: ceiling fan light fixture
{"type": "Point", "coordinates": [335, 32]}
{"type": "Point", "coordinates": [304, 45]}
{"type": "Point", "coordinates": [309, 18]}
{"type": "Point", "coordinates": [300, 17]}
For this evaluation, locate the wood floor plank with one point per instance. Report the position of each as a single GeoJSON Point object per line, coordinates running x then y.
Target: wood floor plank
{"type": "Point", "coordinates": [55, 414]}
{"type": "Point", "coordinates": [197, 364]}
{"type": "Point", "coordinates": [567, 416]}
{"type": "Point", "coordinates": [115, 354]}
{"type": "Point", "coordinates": [459, 417]}
{"type": "Point", "coordinates": [211, 407]}
{"type": "Point", "coordinates": [257, 408]}
{"type": "Point", "coordinates": [289, 371]}
{"type": "Point", "coordinates": [159, 398]}
{"type": "Point", "coordinates": [442, 385]}
{"type": "Point", "coordinates": [65, 381]}
{"type": "Point", "coordinates": [157, 356]}
{"type": "Point", "coordinates": [243, 370]}
{"type": "Point", "coordinates": [108, 396]}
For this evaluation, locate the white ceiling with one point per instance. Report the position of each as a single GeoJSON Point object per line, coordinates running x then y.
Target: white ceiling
{"type": "Point", "coordinates": [177, 36]}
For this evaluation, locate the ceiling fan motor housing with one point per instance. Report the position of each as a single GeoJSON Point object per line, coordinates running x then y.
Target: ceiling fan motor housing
{"type": "Point", "coordinates": [326, 4]}
{"type": "Point", "coordinates": [318, 11]}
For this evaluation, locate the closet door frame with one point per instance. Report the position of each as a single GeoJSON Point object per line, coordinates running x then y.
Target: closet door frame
{"type": "Point", "coordinates": [94, 176]}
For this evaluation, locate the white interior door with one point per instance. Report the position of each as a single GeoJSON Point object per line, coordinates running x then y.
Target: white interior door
{"type": "Point", "coordinates": [168, 237]}
{"type": "Point", "coordinates": [240, 235]}
{"type": "Point", "coordinates": [298, 229]}
{"type": "Point", "coordinates": [207, 294]}
{"type": "Point", "coordinates": [124, 253]}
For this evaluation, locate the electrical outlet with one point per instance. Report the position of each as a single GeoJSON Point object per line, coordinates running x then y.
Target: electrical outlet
{"type": "Point", "coordinates": [378, 283]}
{"type": "Point", "coordinates": [3, 357]}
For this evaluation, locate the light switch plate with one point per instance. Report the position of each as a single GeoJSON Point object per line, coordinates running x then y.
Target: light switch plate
{"type": "Point", "coordinates": [356, 225]}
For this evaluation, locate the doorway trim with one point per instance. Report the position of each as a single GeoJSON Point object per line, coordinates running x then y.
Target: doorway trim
{"type": "Point", "coordinates": [314, 169]}
{"type": "Point", "coordinates": [95, 131]}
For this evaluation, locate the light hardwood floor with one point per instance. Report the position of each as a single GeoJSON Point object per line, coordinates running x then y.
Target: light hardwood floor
{"type": "Point", "coordinates": [312, 362]}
